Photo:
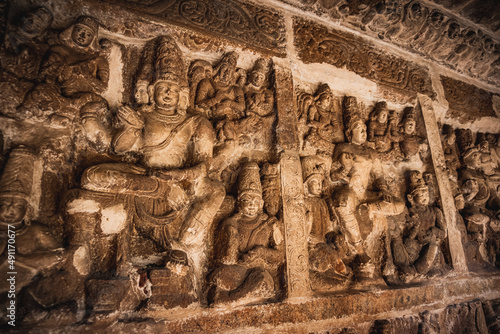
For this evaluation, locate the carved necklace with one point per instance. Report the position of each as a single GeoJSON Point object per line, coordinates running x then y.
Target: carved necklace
{"type": "Point", "coordinates": [175, 118]}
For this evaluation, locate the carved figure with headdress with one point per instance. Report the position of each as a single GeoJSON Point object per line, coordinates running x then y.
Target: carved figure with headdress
{"type": "Point", "coordinates": [21, 55]}
{"type": "Point", "coordinates": [327, 246]}
{"type": "Point", "coordinates": [73, 77]}
{"type": "Point", "coordinates": [35, 249]}
{"type": "Point", "coordinates": [380, 127]}
{"type": "Point", "coordinates": [249, 247]}
{"type": "Point", "coordinates": [168, 197]}
{"type": "Point", "coordinates": [357, 171]}
{"type": "Point", "coordinates": [418, 250]}
{"type": "Point", "coordinates": [320, 120]}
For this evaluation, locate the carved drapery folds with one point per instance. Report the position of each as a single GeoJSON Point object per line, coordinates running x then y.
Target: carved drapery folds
{"type": "Point", "coordinates": [225, 179]}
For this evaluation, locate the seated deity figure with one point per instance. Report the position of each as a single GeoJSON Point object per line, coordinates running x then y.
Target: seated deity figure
{"type": "Point", "coordinates": [327, 248]}
{"type": "Point", "coordinates": [357, 171]}
{"type": "Point", "coordinates": [72, 77]}
{"type": "Point", "coordinates": [324, 128]}
{"type": "Point", "coordinates": [490, 160]}
{"type": "Point", "coordinates": [380, 128]}
{"type": "Point", "coordinates": [417, 251]}
{"type": "Point", "coordinates": [249, 248]}
{"type": "Point", "coordinates": [220, 99]}
{"type": "Point", "coordinates": [173, 200]}
{"type": "Point", "coordinates": [36, 250]}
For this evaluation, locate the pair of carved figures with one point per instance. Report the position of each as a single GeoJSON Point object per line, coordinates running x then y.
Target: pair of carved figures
{"type": "Point", "coordinates": [61, 83]}
{"type": "Point", "coordinates": [476, 192]}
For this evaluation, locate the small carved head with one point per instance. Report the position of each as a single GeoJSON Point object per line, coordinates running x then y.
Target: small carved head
{"type": "Point", "coordinates": [250, 202]}
{"type": "Point", "coordinates": [472, 158]}
{"type": "Point", "coordinates": [84, 31]}
{"type": "Point", "coordinates": [35, 23]}
{"type": "Point", "coordinates": [453, 30]}
{"type": "Point", "coordinates": [258, 74]}
{"type": "Point", "coordinates": [356, 133]}
{"type": "Point", "coordinates": [409, 123]}
{"type": "Point", "coordinates": [141, 92]}
{"type": "Point", "coordinates": [16, 186]}
{"type": "Point", "coordinates": [355, 127]}
{"type": "Point", "coordinates": [436, 18]}
{"type": "Point", "coordinates": [380, 113]}
{"type": "Point", "coordinates": [313, 175]}
{"type": "Point", "coordinates": [419, 191]}
{"type": "Point", "coordinates": [226, 69]}
{"type": "Point", "coordinates": [324, 97]}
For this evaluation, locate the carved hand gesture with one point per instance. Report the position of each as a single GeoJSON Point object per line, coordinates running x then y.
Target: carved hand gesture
{"type": "Point", "coordinates": [130, 116]}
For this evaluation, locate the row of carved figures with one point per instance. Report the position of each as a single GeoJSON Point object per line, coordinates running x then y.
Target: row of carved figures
{"type": "Point", "coordinates": [419, 27]}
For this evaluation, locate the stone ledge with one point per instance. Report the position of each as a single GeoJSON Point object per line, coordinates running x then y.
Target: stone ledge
{"type": "Point", "coordinates": [352, 307]}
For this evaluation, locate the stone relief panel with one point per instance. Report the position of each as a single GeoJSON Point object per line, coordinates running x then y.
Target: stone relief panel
{"type": "Point", "coordinates": [364, 194]}
{"type": "Point", "coordinates": [475, 185]}
{"type": "Point", "coordinates": [244, 23]}
{"type": "Point", "coordinates": [466, 101]}
{"type": "Point", "coordinates": [317, 44]}
{"type": "Point", "coordinates": [219, 181]}
{"type": "Point", "coordinates": [420, 27]}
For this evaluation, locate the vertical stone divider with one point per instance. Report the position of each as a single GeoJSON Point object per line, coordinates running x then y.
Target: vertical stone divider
{"type": "Point", "coordinates": [297, 258]}
{"type": "Point", "coordinates": [447, 200]}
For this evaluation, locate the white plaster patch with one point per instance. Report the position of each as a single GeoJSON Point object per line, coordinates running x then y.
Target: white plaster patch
{"type": "Point", "coordinates": [82, 206]}
{"type": "Point", "coordinates": [81, 260]}
{"type": "Point", "coordinates": [113, 219]}
{"type": "Point", "coordinates": [115, 84]}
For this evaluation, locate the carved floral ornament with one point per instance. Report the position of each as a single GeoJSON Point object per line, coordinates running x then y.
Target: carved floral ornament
{"type": "Point", "coordinates": [317, 44]}
{"type": "Point", "coordinates": [219, 185]}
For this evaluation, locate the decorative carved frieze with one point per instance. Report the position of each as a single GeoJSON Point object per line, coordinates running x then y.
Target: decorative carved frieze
{"type": "Point", "coordinates": [420, 28]}
{"type": "Point", "coordinates": [467, 102]}
{"type": "Point", "coordinates": [318, 44]}
{"type": "Point", "coordinates": [244, 23]}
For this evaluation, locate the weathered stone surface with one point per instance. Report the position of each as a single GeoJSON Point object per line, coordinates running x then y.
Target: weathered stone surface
{"type": "Point", "coordinates": [424, 28]}
{"type": "Point", "coordinates": [318, 44]}
{"type": "Point", "coordinates": [467, 102]}
{"type": "Point", "coordinates": [245, 23]}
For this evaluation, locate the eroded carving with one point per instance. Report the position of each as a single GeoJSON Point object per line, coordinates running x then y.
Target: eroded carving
{"type": "Point", "coordinates": [417, 250]}
{"type": "Point", "coordinates": [73, 76]}
{"type": "Point", "coordinates": [249, 248]}
{"type": "Point", "coordinates": [243, 22]}
{"type": "Point", "coordinates": [419, 27]}
{"type": "Point", "coordinates": [317, 44]}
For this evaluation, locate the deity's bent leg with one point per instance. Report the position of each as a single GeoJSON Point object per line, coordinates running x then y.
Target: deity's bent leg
{"type": "Point", "coordinates": [121, 178]}
{"type": "Point", "coordinates": [346, 207]}
{"type": "Point", "coordinates": [209, 196]}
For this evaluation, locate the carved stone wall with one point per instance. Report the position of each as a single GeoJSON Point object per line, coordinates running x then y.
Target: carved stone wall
{"type": "Point", "coordinates": [207, 166]}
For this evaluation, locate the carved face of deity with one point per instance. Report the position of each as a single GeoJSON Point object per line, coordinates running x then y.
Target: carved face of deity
{"type": "Point", "coordinates": [141, 94]}
{"type": "Point", "coordinates": [473, 160]}
{"type": "Point", "coordinates": [82, 35]}
{"type": "Point", "coordinates": [382, 116]}
{"type": "Point", "coordinates": [257, 78]}
{"type": "Point", "coordinates": [484, 146]}
{"type": "Point", "coordinates": [409, 126]}
{"type": "Point", "coordinates": [358, 133]}
{"type": "Point", "coordinates": [250, 205]}
{"type": "Point", "coordinates": [12, 209]}
{"type": "Point", "coordinates": [450, 138]}
{"type": "Point", "coordinates": [166, 95]}
{"type": "Point", "coordinates": [315, 186]}
{"type": "Point", "coordinates": [35, 23]}
{"type": "Point", "coordinates": [324, 101]}
{"type": "Point", "coordinates": [225, 74]}
{"type": "Point", "coordinates": [421, 197]}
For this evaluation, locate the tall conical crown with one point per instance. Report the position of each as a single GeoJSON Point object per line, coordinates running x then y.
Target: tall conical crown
{"type": "Point", "coordinates": [249, 180]}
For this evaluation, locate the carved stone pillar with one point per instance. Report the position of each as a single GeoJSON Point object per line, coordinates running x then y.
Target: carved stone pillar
{"type": "Point", "coordinates": [448, 203]}
{"type": "Point", "coordinates": [297, 259]}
